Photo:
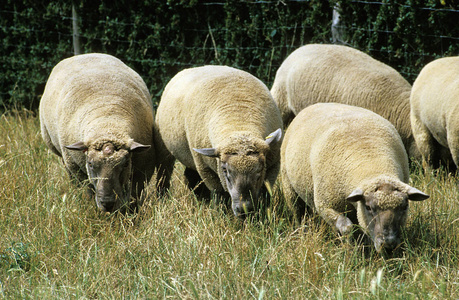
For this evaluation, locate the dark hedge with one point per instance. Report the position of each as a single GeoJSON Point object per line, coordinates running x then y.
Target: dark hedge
{"type": "Point", "coordinates": [160, 38]}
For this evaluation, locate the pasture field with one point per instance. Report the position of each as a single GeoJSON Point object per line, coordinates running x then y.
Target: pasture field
{"type": "Point", "coordinates": [54, 244]}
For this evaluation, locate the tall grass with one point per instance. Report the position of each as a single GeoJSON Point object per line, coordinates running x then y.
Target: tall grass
{"type": "Point", "coordinates": [55, 244]}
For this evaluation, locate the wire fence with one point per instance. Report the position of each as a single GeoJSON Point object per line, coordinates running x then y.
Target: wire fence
{"type": "Point", "coordinates": [252, 35]}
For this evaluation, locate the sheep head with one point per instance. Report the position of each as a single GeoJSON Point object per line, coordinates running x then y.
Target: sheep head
{"type": "Point", "coordinates": [382, 211]}
{"type": "Point", "coordinates": [108, 166]}
{"type": "Point", "coordinates": [241, 166]}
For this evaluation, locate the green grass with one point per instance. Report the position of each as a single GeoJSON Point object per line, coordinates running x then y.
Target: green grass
{"type": "Point", "coordinates": [55, 244]}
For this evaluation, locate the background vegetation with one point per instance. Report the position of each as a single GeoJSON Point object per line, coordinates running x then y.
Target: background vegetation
{"type": "Point", "coordinates": [159, 38]}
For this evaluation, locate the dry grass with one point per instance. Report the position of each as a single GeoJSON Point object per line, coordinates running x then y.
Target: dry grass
{"type": "Point", "coordinates": [55, 244]}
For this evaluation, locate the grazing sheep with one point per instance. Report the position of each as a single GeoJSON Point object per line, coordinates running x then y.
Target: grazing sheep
{"type": "Point", "coordinates": [348, 163]}
{"type": "Point", "coordinates": [435, 110]}
{"type": "Point", "coordinates": [96, 113]}
{"type": "Point", "coordinates": [214, 120]}
{"type": "Point", "coordinates": [332, 73]}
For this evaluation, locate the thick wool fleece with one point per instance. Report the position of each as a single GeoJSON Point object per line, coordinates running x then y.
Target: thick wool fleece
{"type": "Point", "coordinates": [435, 110]}
{"type": "Point", "coordinates": [97, 99]}
{"type": "Point", "coordinates": [217, 107]}
{"type": "Point", "coordinates": [331, 149]}
{"type": "Point", "coordinates": [332, 73]}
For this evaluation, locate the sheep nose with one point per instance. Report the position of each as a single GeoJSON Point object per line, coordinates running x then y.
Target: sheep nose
{"type": "Point", "coordinates": [242, 208]}
{"type": "Point", "coordinates": [107, 205]}
{"type": "Point", "coordinates": [390, 242]}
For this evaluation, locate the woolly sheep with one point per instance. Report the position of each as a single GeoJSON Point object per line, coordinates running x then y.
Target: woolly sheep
{"type": "Point", "coordinates": [214, 120]}
{"type": "Point", "coordinates": [435, 110]}
{"type": "Point", "coordinates": [348, 163]}
{"type": "Point", "coordinates": [333, 73]}
{"type": "Point", "coordinates": [96, 113]}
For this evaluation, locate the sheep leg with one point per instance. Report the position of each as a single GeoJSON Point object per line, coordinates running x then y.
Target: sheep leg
{"type": "Point", "coordinates": [344, 225]}
{"type": "Point", "coordinates": [164, 165]}
{"type": "Point", "coordinates": [454, 152]}
{"type": "Point", "coordinates": [338, 221]}
{"type": "Point", "coordinates": [300, 208]}
{"type": "Point", "coordinates": [164, 174]}
{"type": "Point", "coordinates": [78, 176]}
{"type": "Point", "coordinates": [195, 183]}
{"type": "Point", "coordinates": [293, 201]}
{"type": "Point", "coordinates": [426, 143]}
{"type": "Point", "coordinates": [138, 182]}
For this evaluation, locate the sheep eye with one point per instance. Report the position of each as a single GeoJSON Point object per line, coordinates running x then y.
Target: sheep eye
{"type": "Point", "coordinates": [404, 207]}
{"type": "Point", "coordinates": [368, 208]}
{"type": "Point", "coordinates": [90, 165]}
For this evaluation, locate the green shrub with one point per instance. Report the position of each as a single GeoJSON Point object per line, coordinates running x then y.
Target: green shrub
{"type": "Point", "coordinates": [158, 38]}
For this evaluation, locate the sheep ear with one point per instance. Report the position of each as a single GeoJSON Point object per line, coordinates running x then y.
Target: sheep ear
{"type": "Point", "coordinates": [416, 195]}
{"type": "Point", "coordinates": [274, 136]}
{"type": "Point", "coordinates": [138, 147]}
{"type": "Point", "coordinates": [356, 195]}
{"type": "Point", "coordinates": [211, 152]}
{"type": "Point", "coordinates": [78, 146]}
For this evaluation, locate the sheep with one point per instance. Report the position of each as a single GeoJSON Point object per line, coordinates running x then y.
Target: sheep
{"type": "Point", "coordinates": [434, 111]}
{"type": "Point", "coordinates": [96, 113]}
{"type": "Point", "coordinates": [214, 120]}
{"type": "Point", "coordinates": [334, 73]}
{"type": "Point", "coordinates": [349, 165]}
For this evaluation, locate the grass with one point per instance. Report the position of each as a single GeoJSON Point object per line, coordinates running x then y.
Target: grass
{"type": "Point", "coordinates": [55, 244]}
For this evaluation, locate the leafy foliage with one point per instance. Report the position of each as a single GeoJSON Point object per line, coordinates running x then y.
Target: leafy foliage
{"type": "Point", "coordinates": [404, 34]}
{"type": "Point", "coordinates": [160, 38]}
{"type": "Point", "coordinates": [34, 37]}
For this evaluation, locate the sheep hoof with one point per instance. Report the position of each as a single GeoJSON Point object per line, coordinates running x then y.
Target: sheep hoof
{"type": "Point", "coordinates": [344, 225]}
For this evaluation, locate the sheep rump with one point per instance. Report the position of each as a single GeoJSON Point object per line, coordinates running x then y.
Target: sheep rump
{"type": "Point", "coordinates": [434, 111]}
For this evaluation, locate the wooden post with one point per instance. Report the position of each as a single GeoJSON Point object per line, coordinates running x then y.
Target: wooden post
{"type": "Point", "coordinates": [76, 34]}
{"type": "Point", "coordinates": [337, 29]}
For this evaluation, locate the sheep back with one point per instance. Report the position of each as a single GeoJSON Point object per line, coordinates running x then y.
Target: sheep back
{"type": "Point", "coordinates": [334, 73]}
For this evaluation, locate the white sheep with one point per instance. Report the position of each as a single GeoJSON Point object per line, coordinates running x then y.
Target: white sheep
{"type": "Point", "coordinates": [224, 126]}
{"type": "Point", "coordinates": [333, 73]}
{"type": "Point", "coordinates": [96, 113]}
{"type": "Point", "coordinates": [349, 165]}
{"type": "Point", "coordinates": [435, 110]}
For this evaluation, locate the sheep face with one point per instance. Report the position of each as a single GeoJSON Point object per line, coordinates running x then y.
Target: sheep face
{"type": "Point", "coordinates": [382, 212]}
{"type": "Point", "coordinates": [243, 175]}
{"type": "Point", "coordinates": [241, 166]}
{"type": "Point", "coordinates": [109, 171]}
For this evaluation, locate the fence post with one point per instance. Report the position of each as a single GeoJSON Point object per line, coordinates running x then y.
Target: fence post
{"type": "Point", "coordinates": [337, 29]}
{"type": "Point", "coordinates": [76, 34]}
